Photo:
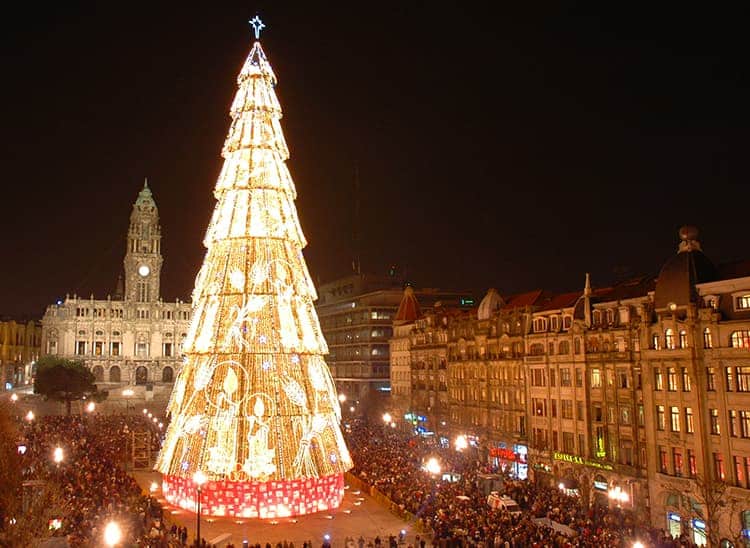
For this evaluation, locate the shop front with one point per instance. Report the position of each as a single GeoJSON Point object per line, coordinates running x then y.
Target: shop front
{"type": "Point", "coordinates": [512, 459]}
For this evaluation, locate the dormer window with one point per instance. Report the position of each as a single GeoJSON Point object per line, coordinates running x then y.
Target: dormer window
{"type": "Point", "coordinates": [597, 317]}
{"type": "Point", "coordinates": [567, 322]}
{"type": "Point", "coordinates": [555, 323]}
{"type": "Point", "coordinates": [610, 316]}
{"type": "Point", "coordinates": [540, 325]}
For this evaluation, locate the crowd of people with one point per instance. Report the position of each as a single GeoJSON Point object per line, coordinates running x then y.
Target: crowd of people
{"type": "Point", "coordinates": [456, 513]}
{"type": "Point", "coordinates": [96, 488]}
{"type": "Point", "coordinates": [93, 485]}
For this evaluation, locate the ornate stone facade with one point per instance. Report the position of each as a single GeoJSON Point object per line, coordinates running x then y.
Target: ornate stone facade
{"type": "Point", "coordinates": [635, 395]}
{"type": "Point", "coordinates": [19, 349]}
{"type": "Point", "coordinates": [132, 337]}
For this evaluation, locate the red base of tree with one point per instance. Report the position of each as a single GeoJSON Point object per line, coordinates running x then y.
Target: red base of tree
{"type": "Point", "coordinates": [257, 499]}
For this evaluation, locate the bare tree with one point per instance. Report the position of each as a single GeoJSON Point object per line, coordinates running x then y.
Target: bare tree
{"type": "Point", "coordinates": [713, 499]}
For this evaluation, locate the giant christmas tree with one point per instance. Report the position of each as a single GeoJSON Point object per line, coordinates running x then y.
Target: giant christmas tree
{"type": "Point", "coordinates": [254, 407]}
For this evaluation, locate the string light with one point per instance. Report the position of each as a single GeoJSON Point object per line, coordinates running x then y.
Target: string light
{"type": "Point", "coordinates": [254, 405]}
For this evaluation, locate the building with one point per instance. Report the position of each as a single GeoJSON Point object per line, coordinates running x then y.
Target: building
{"type": "Point", "coordinates": [356, 315]}
{"type": "Point", "coordinates": [20, 344]}
{"type": "Point", "coordinates": [635, 394]}
{"type": "Point", "coordinates": [133, 337]}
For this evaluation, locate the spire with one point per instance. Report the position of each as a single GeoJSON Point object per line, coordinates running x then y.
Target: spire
{"type": "Point", "coordinates": [408, 310]}
{"type": "Point", "coordinates": [119, 288]}
{"type": "Point", "coordinates": [587, 301]}
{"type": "Point", "coordinates": [145, 183]}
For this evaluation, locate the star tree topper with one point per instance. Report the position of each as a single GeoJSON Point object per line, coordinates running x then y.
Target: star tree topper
{"type": "Point", "coordinates": [257, 25]}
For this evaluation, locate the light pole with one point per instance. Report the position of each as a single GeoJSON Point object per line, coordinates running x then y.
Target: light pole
{"type": "Point", "coordinates": [199, 478]}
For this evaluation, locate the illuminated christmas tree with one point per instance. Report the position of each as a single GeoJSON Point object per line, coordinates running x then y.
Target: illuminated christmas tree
{"type": "Point", "coordinates": [254, 407]}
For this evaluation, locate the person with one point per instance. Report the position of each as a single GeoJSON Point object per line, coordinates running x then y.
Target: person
{"type": "Point", "coordinates": [360, 542]}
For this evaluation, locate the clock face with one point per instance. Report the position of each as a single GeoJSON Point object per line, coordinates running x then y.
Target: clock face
{"type": "Point", "coordinates": [144, 270]}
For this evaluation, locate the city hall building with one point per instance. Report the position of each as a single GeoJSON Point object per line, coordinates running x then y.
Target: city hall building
{"type": "Point", "coordinates": [132, 337]}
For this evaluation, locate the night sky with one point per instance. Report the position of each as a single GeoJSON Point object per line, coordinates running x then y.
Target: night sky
{"type": "Point", "coordinates": [508, 149]}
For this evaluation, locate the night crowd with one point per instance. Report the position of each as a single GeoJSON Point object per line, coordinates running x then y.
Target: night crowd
{"type": "Point", "coordinates": [456, 513]}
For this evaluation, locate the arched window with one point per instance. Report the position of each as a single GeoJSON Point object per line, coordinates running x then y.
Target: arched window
{"type": "Point", "coordinates": [577, 346]}
{"type": "Point", "coordinates": [141, 375]}
{"type": "Point", "coordinates": [167, 374]}
{"type": "Point", "coordinates": [683, 338]}
{"type": "Point", "coordinates": [669, 339]}
{"type": "Point", "coordinates": [98, 372]}
{"type": "Point", "coordinates": [114, 374]}
{"type": "Point", "coordinates": [536, 349]}
{"type": "Point", "coordinates": [563, 348]}
{"type": "Point", "coordinates": [740, 339]}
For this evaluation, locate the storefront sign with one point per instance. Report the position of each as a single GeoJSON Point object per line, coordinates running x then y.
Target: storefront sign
{"type": "Point", "coordinates": [600, 485]}
{"type": "Point", "coordinates": [578, 460]}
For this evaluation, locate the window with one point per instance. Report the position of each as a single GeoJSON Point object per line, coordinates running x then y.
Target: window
{"type": "Point", "coordinates": [582, 445]}
{"type": "Point", "coordinates": [80, 347]}
{"type": "Point", "coordinates": [671, 379]}
{"type": "Point", "coordinates": [677, 461]}
{"type": "Point", "coordinates": [707, 339]}
{"type": "Point", "coordinates": [738, 470]}
{"type": "Point", "coordinates": [658, 379]}
{"type": "Point", "coordinates": [141, 350]}
{"type": "Point", "coordinates": [115, 348]}
{"type": "Point", "coordinates": [740, 339]}
{"type": "Point", "coordinates": [596, 378]}
{"type": "Point", "coordinates": [733, 423]}
{"type": "Point", "coordinates": [669, 339]}
{"type": "Point", "coordinates": [611, 414]}
{"type": "Point", "coordinates": [745, 424]}
{"type": "Point", "coordinates": [567, 409]}
{"type": "Point", "coordinates": [689, 423]}
{"type": "Point", "coordinates": [564, 348]}
{"type": "Point", "coordinates": [743, 302]}
{"type": "Point", "coordinates": [719, 473]}
{"type": "Point", "coordinates": [568, 442]}
{"type": "Point", "coordinates": [552, 377]}
{"type": "Point", "coordinates": [554, 408]}
{"type": "Point", "coordinates": [598, 413]}
{"type": "Point", "coordinates": [622, 379]}
{"type": "Point", "coordinates": [728, 376]}
{"type": "Point", "coordinates": [579, 378]}
{"type": "Point", "coordinates": [743, 379]}
{"type": "Point", "coordinates": [167, 351]}
{"type": "Point", "coordinates": [577, 346]}
{"type": "Point", "coordinates": [674, 413]}
{"type": "Point", "coordinates": [683, 338]}
{"type": "Point", "coordinates": [687, 385]}
{"type": "Point", "coordinates": [98, 348]}
{"type": "Point", "coordinates": [714, 417]}
{"type": "Point", "coordinates": [655, 341]}
{"type": "Point", "coordinates": [536, 349]}
{"type": "Point", "coordinates": [567, 322]}
{"type": "Point", "coordinates": [662, 460]}
{"type": "Point", "coordinates": [660, 419]}
{"type": "Point", "coordinates": [565, 379]}
{"type": "Point", "coordinates": [692, 467]}
{"type": "Point", "coordinates": [540, 324]}
{"type": "Point", "coordinates": [710, 379]}
{"type": "Point", "coordinates": [579, 410]}
{"type": "Point", "coordinates": [555, 323]}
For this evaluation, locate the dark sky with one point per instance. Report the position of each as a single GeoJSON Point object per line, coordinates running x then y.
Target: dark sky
{"type": "Point", "coordinates": [515, 149]}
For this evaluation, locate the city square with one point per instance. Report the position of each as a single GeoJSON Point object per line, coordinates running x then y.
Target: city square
{"type": "Point", "coordinates": [355, 309]}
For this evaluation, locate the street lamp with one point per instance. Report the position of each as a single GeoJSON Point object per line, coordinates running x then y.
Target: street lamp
{"type": "Point", "coordinates": [342, 398]}
{"type": "Point", "coordinates": [461, 443]}
{"type": "Point", "coordinates": [199, 478]}
{"type": "Point", "coordinates": [91, 407]}
{"type": "Point", "coordinates": [432, 466]}
{"type": "Point", "coordinates": [112, 534]}
{"type": "Point", "coordinates": [387, 418]}
{"type": "Point", "coordinates": [30, 416]}
{"type": "Point", "coordinates": [58, 455]}
{"type": "Point", "coordinates": [14, 397]}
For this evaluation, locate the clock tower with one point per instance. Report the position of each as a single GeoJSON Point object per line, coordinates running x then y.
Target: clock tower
{"type": "Point", "coordinates": [143, 256]}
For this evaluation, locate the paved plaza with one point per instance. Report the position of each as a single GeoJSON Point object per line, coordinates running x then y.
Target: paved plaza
{"type": "Point", "coordinates": [358, 515]}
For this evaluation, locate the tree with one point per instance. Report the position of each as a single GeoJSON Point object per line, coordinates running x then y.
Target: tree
{"type": "Point", "coordinates": [254, 408]}
{"type": "Point", "coordinates": [65, 381]}
{"type": "Point", "coordinates": [713, 501]}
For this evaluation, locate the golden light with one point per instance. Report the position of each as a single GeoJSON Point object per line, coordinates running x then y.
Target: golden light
{"type": "Point", "coordinates": [91, 407]}
{"type": "Point", "coordinates": [112, 534]}
{"type": "Point", "coordinates": [199, 478]}
{"type": "Point", "coordinates": [432, 466]}
{"type": "Point", "coordinates": [145, 411]}
{"type": "Point", "coordinates": [461, 443]}
{"type": "Point", "coordinates": [128, 392]}
{"type": "Point", "coordinates": [638, 544]}
{"type": "Point", "coordinates": [351, 409]}
{"type": "Point", "coordinates": [58, 455]}
{"type": "Point", "coordinates": [14, 398]}
{"type": "Point", "coordinates": [393, 425]}
{"type": "Point", "coordinates": [30, 416]}
{"type": "Point", "coordinates": [387, 418]}
{"type": "Point", "coordinates": [154, 487]}
{"type": "Point", "coordinates": [342, 398]}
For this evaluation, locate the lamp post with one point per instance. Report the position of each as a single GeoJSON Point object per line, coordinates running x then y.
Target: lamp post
{"type": "Point", "coordinates": [199, 478]}
{"type": "Point", "coordinates": [127, 394]}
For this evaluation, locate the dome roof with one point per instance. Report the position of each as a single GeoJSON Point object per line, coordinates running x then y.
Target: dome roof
{"type": "Point", "coordinates": [408, 310]}
{"type": "Point", "coordinates": [678, 276]}
{"type": "Point", "coordinates": [491, 302]}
